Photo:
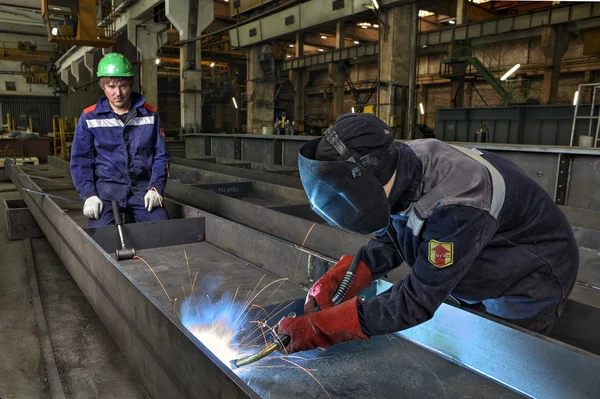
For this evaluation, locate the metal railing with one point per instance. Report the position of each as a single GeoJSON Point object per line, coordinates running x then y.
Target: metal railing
{"type": "Point", "coordinates": [579, 96]}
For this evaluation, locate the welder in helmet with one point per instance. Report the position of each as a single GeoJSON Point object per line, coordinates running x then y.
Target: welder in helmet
{"type": "Point", "coordinates": [119, 150]}
{"type": "Point", "coordinates": [469, 223]}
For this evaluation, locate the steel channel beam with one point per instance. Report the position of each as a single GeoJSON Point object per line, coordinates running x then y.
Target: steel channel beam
{"type": "Point", "coordinates": [581, 312]}
{"type": "Point", "coordinates": [343, 376]}
{"type": "Point", "coordinates": [272, 193]}
{"type": "Point", "coordinates": [168, 357]}
{"type": "Point", "coordinates": [324, 239]}
{"type": "Point", "coordinates": [578, 166]}
{"type": "Point", "coordinates": [467, 343]}
{"type": "Point", "coordinates": [273, 178]}
{"type": "Point", "coordinates": [114, 290]}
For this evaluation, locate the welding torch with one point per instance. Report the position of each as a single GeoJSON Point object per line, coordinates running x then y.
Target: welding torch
{"type": "Point", "coordinates": [281, 341]}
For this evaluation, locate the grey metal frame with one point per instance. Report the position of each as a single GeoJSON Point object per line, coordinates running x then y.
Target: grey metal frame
{"type": "Point", "coordinates": [172, 363]}
{"type": "Point", "coordinates": [515, 23]}
{"type": "Point", "coordinates": [547, 165]}
{"type": "Point", "coordinates": [127, 312]}
{"type": "Point", "coordinates": [324, 239]}
{"type": "Point", "coordinates": [273, 178]}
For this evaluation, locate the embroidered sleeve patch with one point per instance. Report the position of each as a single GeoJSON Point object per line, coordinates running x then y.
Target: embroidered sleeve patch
{"type": "Point", "coordinates": [441, 254]}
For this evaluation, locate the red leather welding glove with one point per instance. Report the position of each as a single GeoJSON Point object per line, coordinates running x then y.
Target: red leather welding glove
{"type": "Point", "coordinates": [323, 290]}
{"type": "Point", "coordinates": [324, 328]}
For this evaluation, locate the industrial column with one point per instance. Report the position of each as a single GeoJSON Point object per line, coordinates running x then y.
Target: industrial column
{"type": "Point", "coordinates": [261, 87]}
{"type": "Point", "coordinates": [336, 74]}
{"type": "Point", "coordinates": [190, 17]}
{"type": "Point", "coordinates": [459, 48]}
{"type": "Point", "coordinates": [299, 78]}
{"type": "Point", "coordinates": [145, 37]}
{"type": "Point", "coordinates": [555, 41]}
{"type": "Point", "coordinates": [397, 58]}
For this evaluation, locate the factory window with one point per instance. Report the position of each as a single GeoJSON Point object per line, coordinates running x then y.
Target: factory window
{"type": "Point", "coordinates": [10, 86]}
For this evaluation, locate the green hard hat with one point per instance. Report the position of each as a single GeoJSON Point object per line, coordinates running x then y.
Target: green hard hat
{"type": "Point", "coordinates": [115, 64]}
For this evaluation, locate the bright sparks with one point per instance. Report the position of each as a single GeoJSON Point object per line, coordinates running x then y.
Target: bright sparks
{"type": "Point", "coordinates": [218, 340]}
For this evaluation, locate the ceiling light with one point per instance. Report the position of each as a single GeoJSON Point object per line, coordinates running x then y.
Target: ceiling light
{"type": "Point", "coordinates": [364, 24]}
{"type": "Point", "coordinates": [157, 61]}
{"type": "Point", "coordinates": [364, 27]}
{"type": "Point", "coordinates": [321, 50]}
{"type": "Point", "coordinates": [510, 72]}
{"type": "Point", "coordinates": [212, 64]}
{"type": "Point", "coordinates": [425, 13]}
{"type": "Point", "coordinates": [375, 4]}
{"type": "Point", "coordinates": [356, 42]}
{"type": "Point", "coordinates": [54, 31]}
{"type": "Point", "coordinates": [323, 37]}
{"type": "Point", "coordinates": [424, 46]}
{"type": "Point", "coordinates": [288, 56]}
{"type": "Point", "coordinates": [234, 102]}
{"type": "Point", "coordinates": [452, 22]}
{"type": "Point", "coordinates": [376, 26]}
{"type": "Point", "coordinates": [352, 109]}
{"type": "Point", "coordinates": [291, 45]}
{"type": "Point", "coordinates": [422, 108]}
{"type": "Point", "coordinates": [576, 97]}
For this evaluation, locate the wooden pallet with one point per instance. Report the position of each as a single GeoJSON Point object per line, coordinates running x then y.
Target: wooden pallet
{"type": "Point", "coordinates": [22, 161]}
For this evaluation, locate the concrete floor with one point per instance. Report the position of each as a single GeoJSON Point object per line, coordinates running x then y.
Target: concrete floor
{"type": "Point", "coordinates": [89, 362]}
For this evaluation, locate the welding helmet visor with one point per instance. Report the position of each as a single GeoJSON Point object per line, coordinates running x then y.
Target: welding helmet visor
{"type": "Point", "coordinates": [344, 192]}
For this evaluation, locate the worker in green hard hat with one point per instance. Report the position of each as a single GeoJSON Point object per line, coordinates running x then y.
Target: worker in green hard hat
{"type": "Point", "coordinates": [119, 150]}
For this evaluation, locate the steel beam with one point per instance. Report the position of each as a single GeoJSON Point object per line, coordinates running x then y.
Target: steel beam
{"type": "Point", "coordinates": [454, 348]}
{"type": "Point", "coordinates": [166, 354]}
{"type": "Point", "coordinates": [515, 24]}
{"type": "Point", "coordinates": [323, 238]}
{"type": "Point", "coordinates": [273, 178]}
{"type": "Point", "coordinates": [293, 223]}
{"type": "Point", "coordinates": [361, 51]}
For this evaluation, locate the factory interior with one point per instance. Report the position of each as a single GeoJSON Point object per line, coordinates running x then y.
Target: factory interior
{"type": "Point", "coordinates": [232, 95]}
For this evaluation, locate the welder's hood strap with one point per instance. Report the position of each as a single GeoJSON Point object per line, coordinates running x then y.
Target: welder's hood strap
{"type": "Point", "coordinates": [372, 159]}
{"type": "Point", "coordinates": [344, 192]}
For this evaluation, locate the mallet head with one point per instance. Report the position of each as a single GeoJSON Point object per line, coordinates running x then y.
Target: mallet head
{"type": "Point", "coordinates": [125, 253]}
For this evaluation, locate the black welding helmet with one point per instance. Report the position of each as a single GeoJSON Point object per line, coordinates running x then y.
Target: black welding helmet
{"type": "Point", "coordinates": [344, 192]}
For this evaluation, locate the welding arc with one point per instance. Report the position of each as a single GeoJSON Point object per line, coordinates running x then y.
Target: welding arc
{"type": "Point", "coordinates": [282, 341]}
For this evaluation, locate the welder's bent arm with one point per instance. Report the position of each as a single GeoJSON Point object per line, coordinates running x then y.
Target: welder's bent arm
{"type": "Point", "coordinates": [83, 156]}
{"type": "Point", "coordinates": [452, 240]}
{"type": "Point", "coordinates": [158, 178]}
{"type": "Point", "coordinates": [381, 255]}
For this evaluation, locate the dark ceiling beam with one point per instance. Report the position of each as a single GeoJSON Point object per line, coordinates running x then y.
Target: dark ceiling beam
{"type": "Point", "coordinates": [9, 32]}
{"type": "Point", "coordinates": [448, 7]}
{"type": "Point", "coordinates": [19, 6]}
{"type": "Point", "coordinates": [427, 25]}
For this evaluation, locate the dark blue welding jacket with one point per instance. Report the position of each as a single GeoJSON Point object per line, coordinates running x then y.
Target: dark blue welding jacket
{"type": "Point", "coordinates": [470, 224]}
{"type": "Point", "coordinates": [113, 159]}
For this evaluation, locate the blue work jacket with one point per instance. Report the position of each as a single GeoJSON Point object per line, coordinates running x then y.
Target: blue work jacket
{"type": "Point", "coordinates": [473, 225]}
{"type": "Point", "coordinates": [111, 159]}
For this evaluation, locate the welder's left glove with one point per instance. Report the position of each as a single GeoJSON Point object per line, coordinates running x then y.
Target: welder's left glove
{"type": "Point", "coordinates": [152, 200]}
{"type": "Point", "coordinates": [322, 291]}
{"type": "Point", "coordinates": [324, 328]}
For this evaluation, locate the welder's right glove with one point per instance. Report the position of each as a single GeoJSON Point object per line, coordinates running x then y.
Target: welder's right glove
{"type": "Point", "coordinates": [92, 207]}
{"type": "Point", "coordinates": [322, 292]}
{"type": "Point", "coordinates": [322, 329]}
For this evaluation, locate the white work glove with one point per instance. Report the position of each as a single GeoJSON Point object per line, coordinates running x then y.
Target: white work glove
{"type": "Point", "coordinates": [92, 207]}
{"type": "Point", "coordinates": [152, 200]}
